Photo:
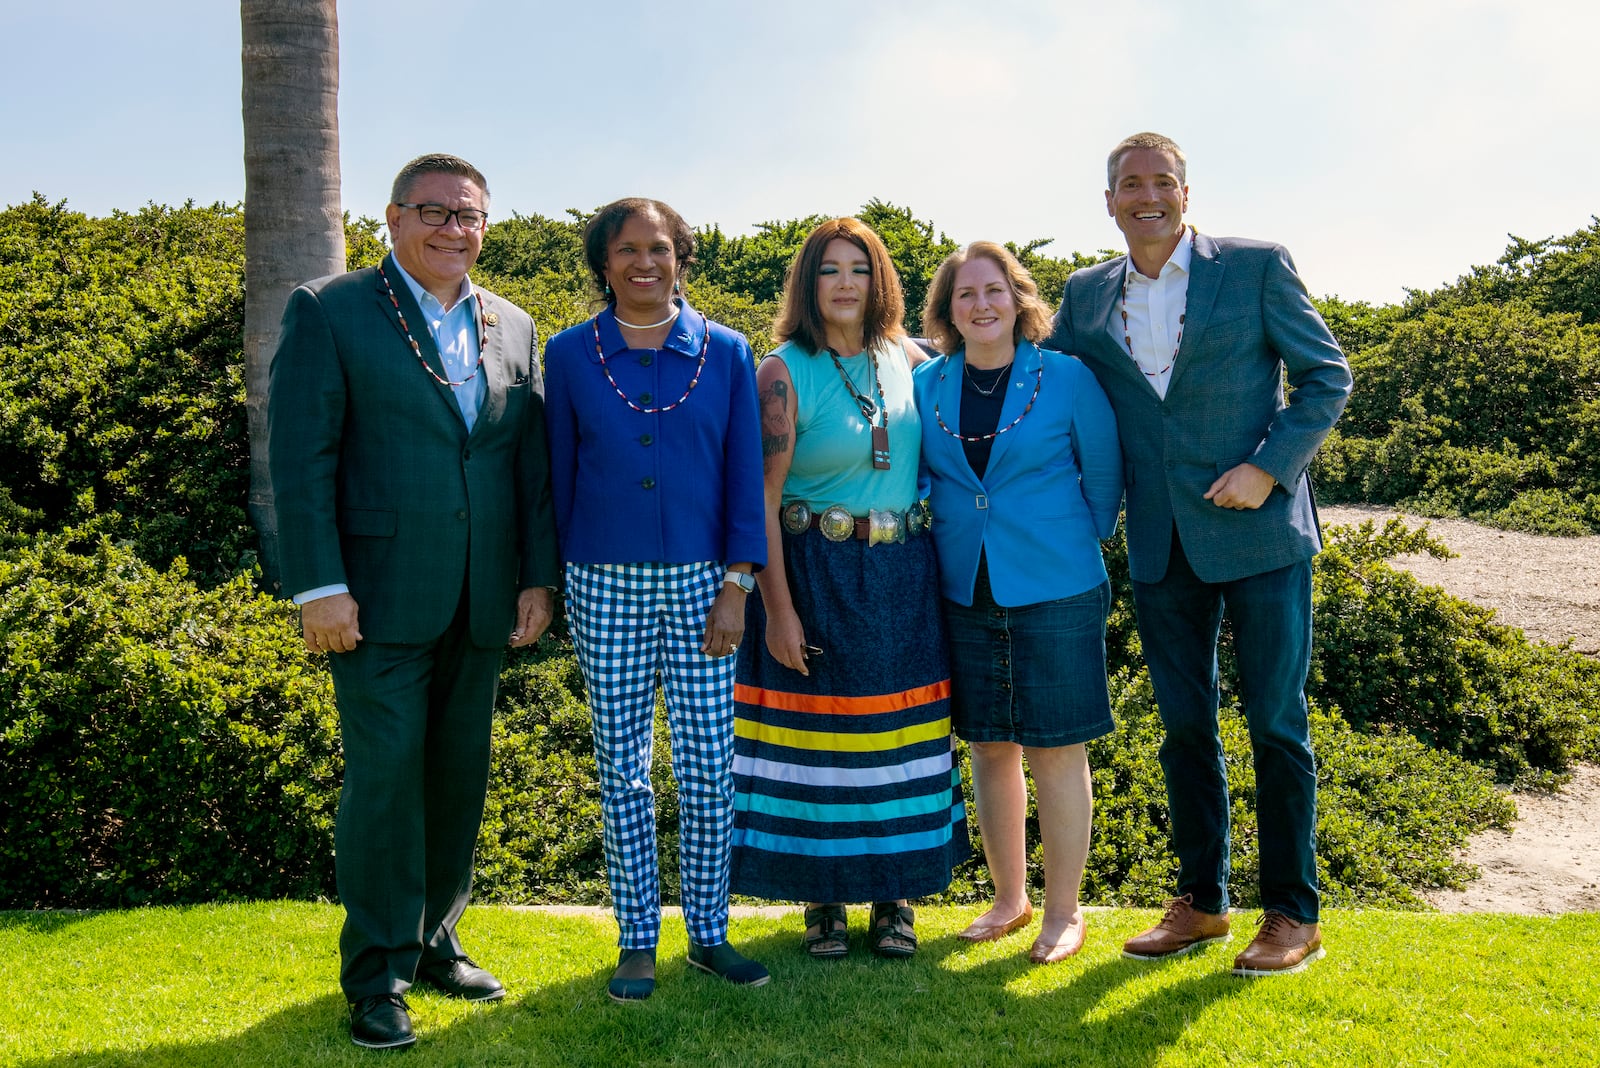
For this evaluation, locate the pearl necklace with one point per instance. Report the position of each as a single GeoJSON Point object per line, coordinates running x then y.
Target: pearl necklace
{"type": "Point", "coordinates": [645, 326]}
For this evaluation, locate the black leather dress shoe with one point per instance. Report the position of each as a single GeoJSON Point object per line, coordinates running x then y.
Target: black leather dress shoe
{"type": "Point", "coordinates": [460, 978]}
{"type": "Point", "coordinates": [381, 1021]}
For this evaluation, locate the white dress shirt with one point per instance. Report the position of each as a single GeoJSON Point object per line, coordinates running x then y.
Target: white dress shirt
{"type": "Point", "coordinates": [1155, 309]}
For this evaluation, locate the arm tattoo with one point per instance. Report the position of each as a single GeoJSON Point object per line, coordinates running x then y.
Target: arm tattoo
{"type": "Point", "coordinates": [775, 423]}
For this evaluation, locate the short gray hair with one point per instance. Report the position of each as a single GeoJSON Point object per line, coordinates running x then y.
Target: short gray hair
{"type": "Point", "coordinates": [1159, 142]}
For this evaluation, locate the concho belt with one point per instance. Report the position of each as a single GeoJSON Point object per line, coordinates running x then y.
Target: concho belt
{"type": "Point", "coordinates": [877, 527]}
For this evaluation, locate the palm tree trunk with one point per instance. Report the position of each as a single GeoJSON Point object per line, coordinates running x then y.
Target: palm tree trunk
{"type": "Point", "coordinates": [293, 220]}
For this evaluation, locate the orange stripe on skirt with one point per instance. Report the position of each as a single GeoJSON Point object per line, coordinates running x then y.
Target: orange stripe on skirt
{"type": "Point", "coordinates": [831, 705]}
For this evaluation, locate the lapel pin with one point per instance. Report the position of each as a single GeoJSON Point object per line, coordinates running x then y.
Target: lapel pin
{"type": "Point", "coordinates": [491, 318]}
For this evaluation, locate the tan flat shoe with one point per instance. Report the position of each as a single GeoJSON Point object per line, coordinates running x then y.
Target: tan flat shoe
{"type": "Point", "coordinates": [993, 932]}
{"type": "Point", "coordinates": [1045, 953]}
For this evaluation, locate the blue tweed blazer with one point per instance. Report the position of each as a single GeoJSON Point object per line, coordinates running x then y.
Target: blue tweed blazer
{"type": "Point", "coordinates": [1250, 327]}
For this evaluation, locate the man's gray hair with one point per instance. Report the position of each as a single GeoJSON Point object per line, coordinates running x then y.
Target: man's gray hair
{"type": "Point", "coordinates": [1159, 142]}
{"type": "Point", "coordinates": [434, 163]}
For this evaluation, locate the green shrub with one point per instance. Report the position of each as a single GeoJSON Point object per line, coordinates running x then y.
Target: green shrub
{"type": "Point", "coordinates": [1391, 651]}
{"type": "Point", "coordinates": [159, 743]}
{"type": "Point", "coordinates": [1391, 813]}
{"type": "Point", "coordinates": [121, 387]}
{"type": "Point", "coordinates": [1482, 409]}
{"type": "Point", "coordinates": [541, 836]}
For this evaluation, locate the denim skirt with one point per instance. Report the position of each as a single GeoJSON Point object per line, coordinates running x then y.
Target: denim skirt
{"type": "Point", "coordinates": [1033, 674]}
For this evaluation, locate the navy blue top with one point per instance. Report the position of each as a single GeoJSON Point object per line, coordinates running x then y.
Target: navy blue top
{"type": "Point", "coordinates": [678, 486]}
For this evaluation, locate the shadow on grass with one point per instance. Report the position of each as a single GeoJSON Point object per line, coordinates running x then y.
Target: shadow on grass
{"type": "Point", "coordinates": [45, 921]}
{"type": "Point", "coordinates": [949, 1005]}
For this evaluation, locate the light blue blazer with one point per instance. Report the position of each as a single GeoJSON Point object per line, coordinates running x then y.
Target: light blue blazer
{"type": "Point", "coordinates": [1052, 489]}
{"type": "Point", "coordinates": [1249, 328]}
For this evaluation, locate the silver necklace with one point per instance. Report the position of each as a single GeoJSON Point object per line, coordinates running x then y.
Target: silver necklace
{"type": "Point", "coordinates": [1003, 374]}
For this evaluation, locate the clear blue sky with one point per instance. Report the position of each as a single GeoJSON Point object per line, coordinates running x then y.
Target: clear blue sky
{"type": "Point", "coordinates": [1387, 143]}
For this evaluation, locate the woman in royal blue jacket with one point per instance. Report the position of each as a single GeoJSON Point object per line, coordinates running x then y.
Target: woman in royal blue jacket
{"type": "Point", "coordinates": [1020, 447]}
{"type": "Point", "coordinates": [655, 458]}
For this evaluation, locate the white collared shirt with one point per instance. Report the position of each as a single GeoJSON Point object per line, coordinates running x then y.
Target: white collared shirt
{"type": "Point", "coordinates": [1156, 308]}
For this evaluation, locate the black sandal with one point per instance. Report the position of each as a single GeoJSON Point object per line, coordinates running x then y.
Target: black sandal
{"type": "Point", "coordinates": [891, 921]}
{"type": "Point", "coordinates": [832, 939]}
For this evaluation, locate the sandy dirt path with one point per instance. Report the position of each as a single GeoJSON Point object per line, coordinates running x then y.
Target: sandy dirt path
{"type": "Point", "coordinates": [1549, 862]}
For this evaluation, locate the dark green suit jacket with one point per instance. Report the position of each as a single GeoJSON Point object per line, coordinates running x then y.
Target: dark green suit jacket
{"type": "Point", "coordinates": [378, 483]}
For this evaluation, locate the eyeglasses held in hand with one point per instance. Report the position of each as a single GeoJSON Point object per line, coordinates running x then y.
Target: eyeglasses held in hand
{"type": "Point", "coordinates": [438, 215]}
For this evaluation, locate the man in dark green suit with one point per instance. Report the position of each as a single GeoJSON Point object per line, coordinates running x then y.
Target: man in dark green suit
{"type": "Point", "coordinates": [411, 477]}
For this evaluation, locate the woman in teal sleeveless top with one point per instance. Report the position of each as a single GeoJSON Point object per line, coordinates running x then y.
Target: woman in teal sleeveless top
{"type": "Point", "coordinates": [846, 789]}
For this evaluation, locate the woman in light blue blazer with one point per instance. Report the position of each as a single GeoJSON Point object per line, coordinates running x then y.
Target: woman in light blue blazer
{"type": "Point", "coordinates": [1019, 446]}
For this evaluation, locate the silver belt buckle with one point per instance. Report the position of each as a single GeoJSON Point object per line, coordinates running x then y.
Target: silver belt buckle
{"type": "Point", "coordinates": [837, 524]}
{"type": "Point", "coordinates": [796, 517]}
{"type": "Point", "coordinates": [885, 528]}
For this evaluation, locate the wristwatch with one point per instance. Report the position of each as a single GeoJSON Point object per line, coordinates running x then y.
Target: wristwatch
{"type": "Point", "coordinates": [742, 579]}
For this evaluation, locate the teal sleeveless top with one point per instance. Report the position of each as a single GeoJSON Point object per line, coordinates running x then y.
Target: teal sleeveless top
{"type": "Point", "coordinates": [833, 443]}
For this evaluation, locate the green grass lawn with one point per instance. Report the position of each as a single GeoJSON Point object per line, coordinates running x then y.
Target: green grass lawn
{"type": "Point", "coordinates": [256, 985]}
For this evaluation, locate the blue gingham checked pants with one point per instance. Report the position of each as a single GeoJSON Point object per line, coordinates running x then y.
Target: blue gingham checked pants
{"type": "Point", "coordinates": [631, 623]}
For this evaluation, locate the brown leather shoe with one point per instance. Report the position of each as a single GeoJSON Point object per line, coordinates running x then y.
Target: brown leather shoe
{"type": "Point", "coordinates": [1280, 947]}
{"type": "Point", "coordinates": [1071, 942]}
{"type": "Point", "coordinates": [993, 932]}
{"type": "Point", "coordinates": [1181, 929]}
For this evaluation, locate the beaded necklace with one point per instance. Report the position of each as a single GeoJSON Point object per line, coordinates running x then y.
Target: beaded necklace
{"type": "Point", "coordinates": [477, 316]}
{"type": "Point", "coordinates": [880, 431]}
{"type": "Point", "coordinates": [1127, 336]}
{"type": "Point", "coordinates": [1038, 381]}
{"type": "Point", "coordinates": [705, 343]}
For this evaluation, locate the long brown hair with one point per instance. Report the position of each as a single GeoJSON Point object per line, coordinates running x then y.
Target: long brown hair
{"type": "Point", "coordinates": [800, 319]}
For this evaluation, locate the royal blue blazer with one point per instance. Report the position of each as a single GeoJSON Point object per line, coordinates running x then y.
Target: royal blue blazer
{"type": "Point", "coordinates": [678, 486]}
{"type": "Point", "coordinates": [1052, 490]}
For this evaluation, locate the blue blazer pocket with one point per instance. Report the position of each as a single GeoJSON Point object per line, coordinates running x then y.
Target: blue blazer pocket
{"type": "Point", "coordinates": [369, 522]}
{"type": "Point", "coordinates": [1232, 327]}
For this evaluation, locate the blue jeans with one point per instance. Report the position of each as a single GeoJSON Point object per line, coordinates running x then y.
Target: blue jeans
{"type": "Point", "coordinates": [1179, 620]}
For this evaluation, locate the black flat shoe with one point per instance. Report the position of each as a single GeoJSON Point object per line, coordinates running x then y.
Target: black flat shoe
{"type": "Point", "coordinates": [635, 977]}
{"type": "Point", "coordinates": [460, 978]}
{"type": "Point", "coordinates": [728, 963]}
{"type": "Point", "coordinates": [381, 1021]}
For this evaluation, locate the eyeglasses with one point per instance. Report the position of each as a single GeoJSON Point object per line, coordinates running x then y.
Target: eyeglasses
{"type": "Point", "coordinates": [438, 215]}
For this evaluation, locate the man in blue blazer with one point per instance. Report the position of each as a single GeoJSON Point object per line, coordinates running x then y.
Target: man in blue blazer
{"type": "Point", "coordinates": [1192, 338]}
{"type": "Point", "coordinates": [412, 484]}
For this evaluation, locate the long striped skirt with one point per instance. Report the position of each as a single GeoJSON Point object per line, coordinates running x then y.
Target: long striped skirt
{"type": "Point", "coordinates": [845, 785]}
